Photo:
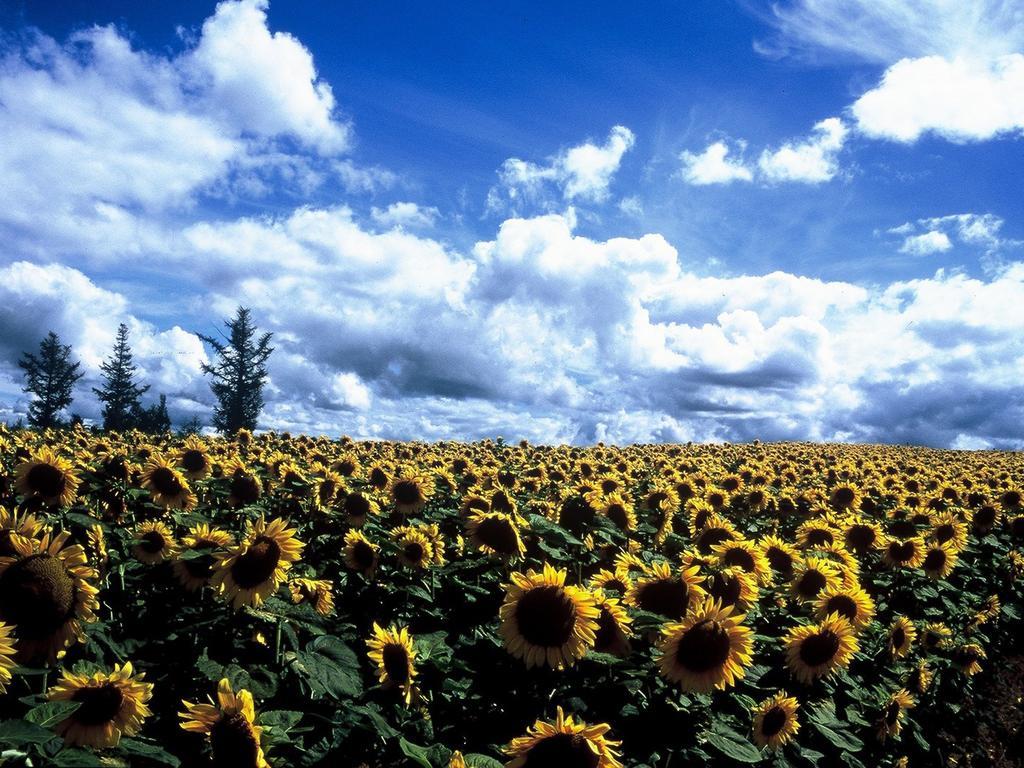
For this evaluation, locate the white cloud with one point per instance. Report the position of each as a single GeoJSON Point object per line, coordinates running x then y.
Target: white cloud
{"type": "Point", "coordinates": [885, 31]}
{"type": "Point", "coordinates": [937, 233]}
{"type": "Point", "coordinates": [811, 161]}
{"type": "Point", "coordinates": [926, 243]}
{"type": "Point", "coordinates": [405, 215]}
{"type": "Point", "coordinates": [713, 166]}
{"type": "Point", "coordinates": [960, 99]}
{"type": "Point", "coordinates": [261, 82]}
{"type": "Point", "coordinates": [583, 173]}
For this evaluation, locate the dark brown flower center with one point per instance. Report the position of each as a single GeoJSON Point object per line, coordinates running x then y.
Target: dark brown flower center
{"type": "Point", "coordinates": [98, 705]}
{"type": "Point", "coordinates": [667, 597]}
{"type": "Point", "coordinates": [396, 663]}
{"type": "Point", "coordinates": [811, 583]}
{"type": "Point", "coordinates": [362, 555]}
{"type": "Point", "coordinates": [608, 631]}
{"type": "Point", "coordinates": [258, 563]}
{"type": "Point", "coordinates": [935, 560]}
{"type": "Point", "coordinates": [546, 616]}
{"type": "Point", "coordinates": [234, 743]}
{"type": "Point", "coordinates": [740, 557]}
{"type": "Point", "coordinates": [892, 713]}
{"type": "Point", "coordinates": [37, 595]}
{"type": "Point", "coordinates": [773, 722]}
{"type": "Point", "coordinates": [7, 543]}
{"type": "Point", "coordinates": [725, 587]}
{"type": "Point", "coordinates": [165, 482]}
{"type": "Point", "coordinates": [414, 552]}
{"type": "Point", "coordinates": [193, 460]}
{"type": "Point", "coordinates": [843, 496]}
{"type": "Point", "coordinates": [898, 637]}
{"type": "Point", "coordinates": [902, 551]}
{"type": "Point", "coordinates": [703, 647]}
{"type": "Point", "coordinates": [617, 514]}
{"type": "Point", "coordinates": [46, 480]}
{"type": "Point", "coordinates": [407, 492]}
{"type": "Point", "coordinates": [819, 648]}
{"type": "Point", "coordinates": [780, 560]}
{"type": "Point", "coordinates": [244, 489]}
{"type": "Point", "coordinates": [562, 750]}
{"type": "Point", "coordinates": [152, 542]}
{"type": "Point", "coordinates": [818, 536]}
{"type": "Point", "coordinates": [498, 534]}
{"type": "Point", "coordinates": [860, 538]}
{"type": "Point", "coordinates": [844, 605]}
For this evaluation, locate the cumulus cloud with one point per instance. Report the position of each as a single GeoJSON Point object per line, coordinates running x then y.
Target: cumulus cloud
{"type": "Point", "coordinates": [960, 99]}
{"type": "Point", "coordinates": [580, 173]}
{"type": "Point", "coordinates": [936, 234]}
{"type": "Point", "coordinates": [713, 166]}
{"type": "Point", "coordinates": [405, 215]}
{"type": "Point", "coordinates": [811, 161]}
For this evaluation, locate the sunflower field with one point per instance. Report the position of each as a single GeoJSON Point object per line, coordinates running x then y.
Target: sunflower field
{"type": "Point", "coordinates": [270, 600]}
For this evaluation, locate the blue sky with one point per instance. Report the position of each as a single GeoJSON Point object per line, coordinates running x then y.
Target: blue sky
{"type": "Point", "coordinates": [567, 222]}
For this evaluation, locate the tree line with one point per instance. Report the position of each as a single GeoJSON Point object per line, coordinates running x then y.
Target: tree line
{"type": "Point", "coordinates": [237, 376]}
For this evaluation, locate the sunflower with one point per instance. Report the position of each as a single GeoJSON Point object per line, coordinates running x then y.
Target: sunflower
{"type": "Point", "coordinates": [230, 724]}
{"type": "Point", "coordinates": [775, 721]}
{"type": "Point", "coordinates": [968, 658]}
{"type": "Point", "coordinates": [167, 485]}
{"type": "Point", "coordinates": [904, 553]}
{"type": "Point", "coordinates": [154, 543]}
{"type": "Point", "coordinates": [781, 555]}
{"type": "Point", "coordinates": [947, 527]}
{"type": "Point", "coordinates": [811, 576]}
{"type": "Point", "coordinates": [543, 621]}
{"type": "Point", "coordinates": [410, 491]}
{"type": "Point", "coordinates": [939, 560]}
{"type": "Point", "coordinates": [456, 760]}
{"type": "Point", "coordinates": [613, 625]}
{"type": "Point", "coordinates": [414, 548]}
{"type": "Point", "coordinates": [46, 591]}
{"type": "Point", "coordinates": [7, 662]}
{"type": "Point", "coordinates": [393, 652]}
{"type": "Point", "coordinates": [359, 507]}
{"type": "Point", "coordinates": [861, 535]}
{"type": "Point", "coordinates": [610, 582]}
{"type": "Point", "coordinates": [891, 721]}
{"type": "Point", "coordinates": [48, 477]}
{"type": "Point", "coordinates": [815, 533]}
{"type": "Point", "coordinates": [709, 649]}
{"type": "Point", "coordinates": [194, 459]}
{"type": "Point", "coordinates": [12, 524]}
{"type": "Point", "coordinates": [934, 636]}
{"type": "Point", "coordinates": [844, 496]}
{"type": "Point", "coordinates": [628, 565]}
{"type": "Point", "coordinates": [565, 743]}
{"type": "Point", "coordinates": [244, 487]}
{"type": "Point", "coordinates": [253, 570]}
{"type": "Point", "coordinates": [853, 604]}
{"type": "Point", "coordinates": [666, 591]}
{"type": "Point", "coordinates": [732, 587]}
{"type": "Point", "coordinates": [110, 705]}
{"type": "Point", "coordinates": [360, 554]}
{"type": "Point", "coordinates": [201, 545]}
{"type": "Point", "coordinates": [495, 533]}
{"type": "Point", "coordinates": [619, 510]}
{"type": "Point", "coordinates": [816, 650]}
{"type": "Point", "coordinates": [318, 592]}
{"type": "Point", "coordinates": [920, 678]}
{"type": "Point", "coordinates": [747, 555]}
{"type": "Point", "coordinates": [715, 531]}
{"type": "Point", "coordinates": [901, 636]}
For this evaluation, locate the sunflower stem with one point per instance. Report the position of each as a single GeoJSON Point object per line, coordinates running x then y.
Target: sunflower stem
{"type": "Point", "coordinates": [277, 642]}
{"type": "Point", "coordinates": [44, 682]}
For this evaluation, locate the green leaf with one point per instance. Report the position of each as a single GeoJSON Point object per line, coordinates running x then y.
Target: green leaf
{"type": "Point", "coordinates": [147, 751]}
{"type": "Point", "coordinates": [415, 753]}
{"type": "Point", "coordinates": [733, 745]}
{"type": "Point", "coordinates": [475, 760]}
{"type": "Point", "coordinates": [18, 732]}
{"type": "Point", "coordinates": [329, 667]}
{"type": "Point", "coordinates": [76, 758]}
{"type": "Point", "coordinates": [432, 647]}
{"type": "Point", "coordinates": [52, 712]}
{"type": "Point", "coordinates": [280, 719]}
{"type": "Point", "coordinates": [840, 738]}
{"type": "Point", "coordinates": [379, 723]}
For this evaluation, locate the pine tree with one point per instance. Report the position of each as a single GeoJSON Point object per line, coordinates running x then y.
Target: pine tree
{"type": "Point", "coordinates": [239, 374]}
{"type": "Point", "coordinates": [120, 394]}
{"type": "Point", "coordinates": [50, 377]}
{"type": "Point", "coordinates": [153, 420]}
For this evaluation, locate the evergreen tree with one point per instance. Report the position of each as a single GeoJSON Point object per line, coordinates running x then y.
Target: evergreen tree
{"type": "Point", "coordinates": [50, 377]}
{"type": "Point", "coordinates": [154, 420]}
{"type": "Point", "coordinates": [239, 373]}
{"type": "Point", "coordinates": [119, 393]}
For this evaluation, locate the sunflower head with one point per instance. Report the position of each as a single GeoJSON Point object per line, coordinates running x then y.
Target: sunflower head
{"type": "Point", "coordinates": [565, 743]}
{"type": "Point", "coordinates": [890, 722]}
{"type": "Point", "coordinates": [852, 603]}
{"type": "Point", "coordinates": [495, 533]}
{"type": "Point", "coordinates": [47, 477]}
{"type": "Point", "coordinates": [110, 705]}
{"type": "Point", "coordinates": [194, 566]}
{"type": "Point", "coordinates": [546, 622]}
{"type": "Point", "coordinates": [814, 651]}
{"type": "Point", "coordinates": [409, 491]}
{"type": "Point", "coordinates": [613, 625]}
{"type": "Point", "coordinates": [667, 591]}
{"type": "Point", "coordinates": [167, 486]}
{"type": "Point", "coordinates": [230, 726]}
{"type": "Point", "coordinates": [392, 651]}
{"type": "Point", "coordinates": [154, 543]}
{"type": "Point", "coordinates": [253, 570]}
{"type": "Point", "coordinates": [775, 721]}
{"type": "Point", "coordinates": [709, 649]}
{"type": "Point", "coordinates": [811, 576]}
